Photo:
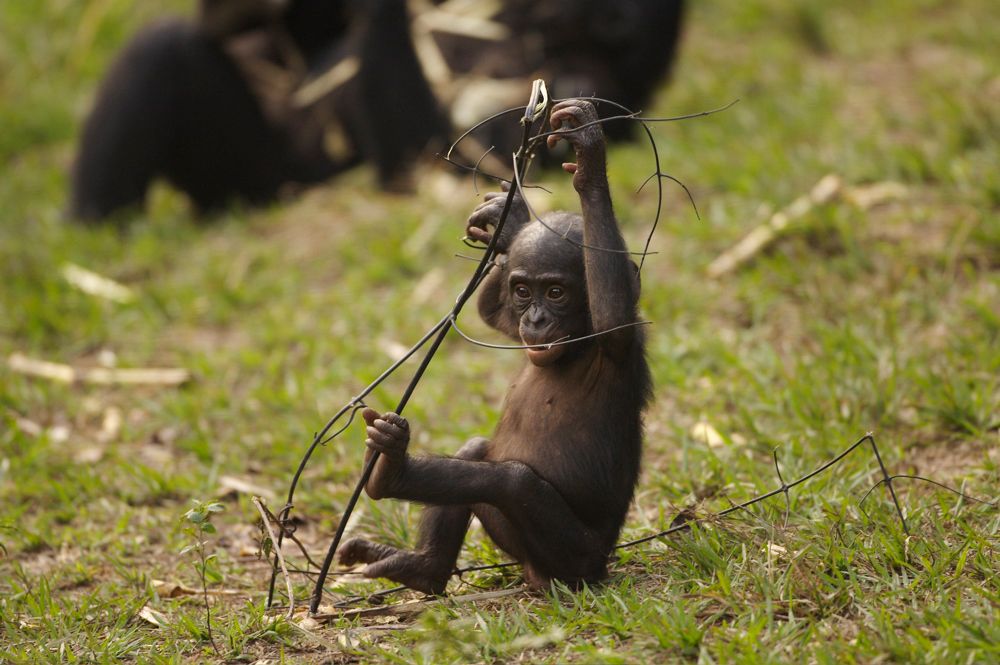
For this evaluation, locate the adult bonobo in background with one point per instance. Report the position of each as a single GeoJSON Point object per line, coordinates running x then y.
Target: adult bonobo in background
{"type": "Point", "coordinates": [254, 98]}
{"type": "Point", "coordinates": [553, 485]}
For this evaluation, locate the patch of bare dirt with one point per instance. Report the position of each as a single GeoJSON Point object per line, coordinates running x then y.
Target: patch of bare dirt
{"type": "Point", "coordinates": [950, 461]}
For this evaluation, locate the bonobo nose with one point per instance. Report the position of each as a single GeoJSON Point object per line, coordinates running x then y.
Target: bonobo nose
{"type": "Point", "coordinates": [536, 315]}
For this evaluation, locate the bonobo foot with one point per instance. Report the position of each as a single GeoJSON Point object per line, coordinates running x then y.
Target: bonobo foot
{"type": "Point", "coordinates": [566, 119]}
{"type": "Point", "coordinates": [416, 570]}
{"type": "Point", "coordinates": [389, 434]}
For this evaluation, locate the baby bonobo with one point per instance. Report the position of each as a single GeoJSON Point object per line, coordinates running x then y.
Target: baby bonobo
{"type": "Point", "coordinates": [553, 485]}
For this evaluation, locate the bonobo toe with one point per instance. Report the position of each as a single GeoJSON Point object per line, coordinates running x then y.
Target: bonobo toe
{"type": "Point", "coordinates": [415, 570]}
{"type": "Point", "coordinates": [359, 550]}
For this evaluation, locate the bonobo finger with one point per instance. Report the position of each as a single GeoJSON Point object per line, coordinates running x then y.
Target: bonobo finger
{"type": "Point", "coordinates": [572, 116]}
{"type": "Point", "coordinates": [569, 167]}
{"type": "Point", "coordinates": [369, 414]}
{"type": "Point", "coordinates": [392, 429]}
{"type": "Point", "coordinates": [478, 235]}
{"type": "Point", "coordinates": [395, 419]}
{"type": "Point", "coordinates": [482, 216]}
{"type": "Point", "coordinates": [383, 438]}
{"type": "Point", "coordinates": [392, 452]}
{"type": "Point", "coordinates": [555, 119]}
{"type": "Point", "coordinates": [484, 213]}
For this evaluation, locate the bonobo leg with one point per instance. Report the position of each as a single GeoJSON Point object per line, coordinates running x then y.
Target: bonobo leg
{"type": "Point", "coordinates": [538, 527]}
{"type": "Point", "coordinates": [440, 536]}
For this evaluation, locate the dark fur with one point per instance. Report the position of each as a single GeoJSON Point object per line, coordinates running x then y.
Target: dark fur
{"type": "Point", "coordinates": [175, 106]}
{"type": "Point", "coordinates": [553, 485]}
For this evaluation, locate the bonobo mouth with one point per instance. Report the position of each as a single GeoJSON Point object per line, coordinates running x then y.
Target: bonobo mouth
{"type": "Point", "coordinates": [543, 355]}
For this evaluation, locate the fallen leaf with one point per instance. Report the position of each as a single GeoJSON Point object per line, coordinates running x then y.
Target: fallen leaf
{"type": "Point", "coordinates": [307, 623]}
{"type": "Point", "coordinates": [352, 639]}
{"type": "Point", "coordinates": [150, 615]}
{"type": "Point", "coordinates": [428, 287]}
{"type": "Point", "coordinates": [231, 486]}
{"type": "Point", "coordinates": [89, 454]}
{"type": "Point", "coordinates": [107, 358]}
{"type": "Point", "coordinates": [172, 589]}
{"type": "Point", "coordinates": [165, 436]}
{"type": "Point", "coordinates": [59, 433]}
{"type": "Point", "coordinates": [392, 348]}
{"type": "Point", "coordinates": [155, 456]}
{"type": "Point", "coordinates": [29, 427]}
{"type": "Point", "coordinates": [175, 590]}
{"type": "Point", "coordinates": [704, 432]}
{"type": "Point", "coordinates": [111, 425]}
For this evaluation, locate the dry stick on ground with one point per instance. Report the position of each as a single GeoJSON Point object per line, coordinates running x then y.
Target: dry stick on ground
{"type": "Point", "coordinates": [824, 191]}
{"type": "Point", "coordinates": [411, 607]}
{"type": "Point", "coordinates": [277, 552]}
{"type": "Point", "coordinates": [43, 369]}
{"type": "Point", "coordinates": [829, 189]}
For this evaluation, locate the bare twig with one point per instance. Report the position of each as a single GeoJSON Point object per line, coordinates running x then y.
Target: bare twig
{"type": "Point", "coordinates": [825, 191]}
{"type": "Point", "coordinates": [43, 369]}
{"type": "Point", "coordinates": [266, 521]}
{"type": "Point", "coordinates": [411, 607]}
{"type": "Point", "coordinates": [548, 345]}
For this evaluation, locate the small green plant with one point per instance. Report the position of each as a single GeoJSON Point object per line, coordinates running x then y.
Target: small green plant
{"type": "Point", "coordinates": [199, 525]}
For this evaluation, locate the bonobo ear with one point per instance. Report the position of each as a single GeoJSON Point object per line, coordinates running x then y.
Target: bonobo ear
{"type": "Point", "coordinates": [636, 279]}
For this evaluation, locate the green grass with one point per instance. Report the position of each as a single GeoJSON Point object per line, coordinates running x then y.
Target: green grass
{"type": "Point", "coordinates": [886, 319]}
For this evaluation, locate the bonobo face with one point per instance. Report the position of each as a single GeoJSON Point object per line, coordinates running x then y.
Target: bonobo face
{"type": "Point", "coordinates": [547, 291]}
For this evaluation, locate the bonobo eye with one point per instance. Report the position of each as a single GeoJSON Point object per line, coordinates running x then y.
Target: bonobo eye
{"type": "Point", "coordinates": [555, 293]}
{"type": "Point", "coordinates": [521, 291]}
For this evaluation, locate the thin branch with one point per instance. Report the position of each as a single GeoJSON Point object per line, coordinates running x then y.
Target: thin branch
{"type": "Point", "coordinates": [784, 486]}
{"type": "Point", "coordinates": [906, 476]}
{"type": "Point", "coordinates": [277, 553]}
{"type": "Point", "coordinates": [888, 483]}
{"type": "Point", "coordinates": [562, 341]}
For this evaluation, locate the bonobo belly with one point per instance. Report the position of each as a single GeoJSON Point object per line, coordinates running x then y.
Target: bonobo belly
{"type": "Point", "coordinates": [567, 432]}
